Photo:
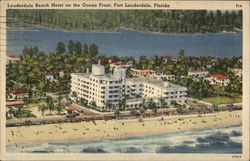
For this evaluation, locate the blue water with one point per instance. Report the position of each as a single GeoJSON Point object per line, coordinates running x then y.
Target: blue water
{"type": "Point", "coordinates": [129, 43]}
{"type": "Point", "coordinates": [219, 140]}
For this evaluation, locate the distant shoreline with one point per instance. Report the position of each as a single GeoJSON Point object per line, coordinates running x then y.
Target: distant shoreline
{"type": "Point", "coordinates": [128, 29]}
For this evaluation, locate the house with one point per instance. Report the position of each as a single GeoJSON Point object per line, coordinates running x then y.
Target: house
{"type": "Point", "coordinates": [12, 59]}
{"type": "Point", "coordinates": [169, 58]}
{"type": "Point", "coordinates": [140, 72]}
{"type": "Point", "coordinates": [50, 78]}
{"type": "Point", "coordinates": [236, 71]}
{"type": "Point", "coordinates": [198, 74]}
{"type": "Point", "coordinates": [60, 73]}
{"type": "Point", "coordinates": [119, 64]}
{"type": "Point", "coordinates": [218, 79]}
{"type": "Point", "coordinates": [13, 105]}
{"type": "Point", "coordinates": [161, 76]}
{"type": "Point", "coordinates": [18, 95]}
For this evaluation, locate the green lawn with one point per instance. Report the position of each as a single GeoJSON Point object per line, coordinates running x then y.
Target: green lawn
{"type": "Point", "coordinates": [222, 100]}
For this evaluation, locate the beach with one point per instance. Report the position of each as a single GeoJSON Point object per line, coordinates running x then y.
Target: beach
{"type": "Point", "coordinates": [101, 129]}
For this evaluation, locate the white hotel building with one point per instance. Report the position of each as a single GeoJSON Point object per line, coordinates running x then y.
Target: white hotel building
{"type": "Point", "coordinates": [101, 88]}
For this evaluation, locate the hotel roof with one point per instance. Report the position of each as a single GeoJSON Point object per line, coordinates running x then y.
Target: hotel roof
{"type": "Point", "coordinates": [104, 76]}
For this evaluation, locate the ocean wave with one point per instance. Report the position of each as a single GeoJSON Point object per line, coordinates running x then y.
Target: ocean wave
{"type": "Point", "coordinates": [94, 150]}
{"type": "Point", "coordinates": [219, 136]}
{"type": "Point", "coordinates": [214, 147]}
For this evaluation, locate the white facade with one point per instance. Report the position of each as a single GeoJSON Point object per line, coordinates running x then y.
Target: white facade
{"type": "Point", "coordinates": [218, 80]}
{"type": "Point", "coordinates": [107, 90]}
{"type": "Point", "coordinates": [198, 74]}
{"type": "Point", "coordinates": [236, 71]}
{"type": "Point", "coordinates": [161, 76]}
{"type": "Point", "coordinates": [12, 59]}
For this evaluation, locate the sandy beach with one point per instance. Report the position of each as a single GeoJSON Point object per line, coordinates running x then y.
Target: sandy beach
{"type": "Point", "coordinates": [101, 129]}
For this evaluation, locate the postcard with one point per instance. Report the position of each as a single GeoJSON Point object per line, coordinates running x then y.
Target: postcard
{"type": "Point", "coordinates": [124, 80]}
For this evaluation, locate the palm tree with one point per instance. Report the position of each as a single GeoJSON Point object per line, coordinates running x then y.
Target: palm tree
{"type": "Point", "coordinates": [74, 95]}
{"type": "Point", "coordinates": [92, 104]}
{"type": "Point", "coordinates": [59, 108]}
{"type": "Point", "coordinates": [59, 98]}
{"type": "Point", "coordinates": [51, 107]}
{"type": "Point", "coordinates": [18, 112]}
{"type": "Point", "coordinates": [11, 112]}
{"type": "Point", "coordinates": [144, 104]}
{"type": "Point", "coordinates": [155, 109]}
{"type": "Point", "coordinates": [151, 104]}
{"type": "Point", "coordinates": [42, 108]}
{"type": "Point", "coordinates": [122, 103]}
{"type": "Point", "coordinates": [108, 104]}
{"type": "Point", "coordinates": [142, 111]}
{"type": "Point", "coordinates": [162, 101]}
{"type": "Point", "coordinates": [132, 112]}
{"type": "Point", "coordinates": [117, 113]}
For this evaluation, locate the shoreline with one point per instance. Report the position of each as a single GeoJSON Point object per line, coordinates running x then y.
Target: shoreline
{"type": "Point", "coordinates": [21, 29]}
{"type": "Point", "coordinates": [128, 29]}
{"type": "Point", "coordinates": [113, 138]}
{"type": "Point", "coordinates": [114, 129]}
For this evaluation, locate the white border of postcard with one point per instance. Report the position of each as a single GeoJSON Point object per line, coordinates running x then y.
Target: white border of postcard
{"type": "Point", "coordinates": [223, 5]}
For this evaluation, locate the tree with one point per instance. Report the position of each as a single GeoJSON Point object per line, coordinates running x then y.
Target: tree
{"type": "Point", "coordinates": [155, 110]}
{"type": "Point", "coordinates": [142, 61]}
{"type": "Point", "coordinates": [85, 49]}
{"type": "Point", "coordinates": [78, 48]}
{"type": "Point", "coordinates": [92, 103]}
{"type": "Point", "coordinates": [144, 104]}
{"type": "Point", "coordinates": [108, 104]}
{"type": "Point", "coordinates": [117, 113]}
{"type": "Point", "coordinates": [50, 104]}
{"type": "Point", "coordinates": [60, 48]}
{"type": "Point", "coordinates": [162, 101]}
{"type": "Point", "coordinates": [142, 111]}
{"type": "Point", "coordinates": [151, 104]}
{"type": "Point", "coordinates": [74, 95]}
{"type": "Point", "coordinates": [93, 50]}
{"type": "Point", "coordinates": [42, 108]}
{"type": "Point", "coordinates": [180, 110]}
{"type": "Point", "coordinates": [181, 53]}
{"type": "Point", "coordinates": [51, 107]}
{"type": "Point", "coordinates": [71, 47]}
{"type": "Point", "coordinates": [59, 98]}
{"type": "Point", "coordinates": [122, 103]}
{"type": "Point", "coordinates": [82, 101]}
{"type": "Point", "coordinates": [19, 112]}
{"type": "Point", "coordinates": [59, 108]}
{"type": "Point", "coordinates": [132, 112]}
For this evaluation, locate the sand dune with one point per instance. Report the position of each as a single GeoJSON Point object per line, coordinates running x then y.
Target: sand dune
{"type": "Point", "coordinates": [100, 129]}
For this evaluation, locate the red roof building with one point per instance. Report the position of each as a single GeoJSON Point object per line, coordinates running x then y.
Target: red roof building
{"type": "Point", "coordinates": [12, 59]}
{"type": "Point", "coordinates": [169, 58]}
{"type": "Point", "coordinates": [18, 92]}
{"type": "Point", "coordinates": [218, 79]}
{"type": "Point", "coordinates": [219, 76]}
{"type": "Point", "coordinates": [56, 71]}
